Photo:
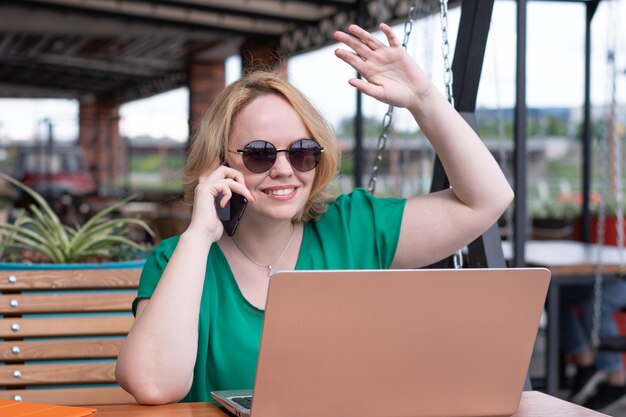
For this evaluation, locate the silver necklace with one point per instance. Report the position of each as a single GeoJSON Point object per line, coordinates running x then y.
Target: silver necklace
{"type": "Point", "coordinates": [268, 266]}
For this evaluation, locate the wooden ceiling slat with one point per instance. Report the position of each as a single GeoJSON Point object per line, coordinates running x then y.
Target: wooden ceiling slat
{"type": "Point", "coordinates": [165, 48]}
{"type": "Point", "coordinates": [74, 45]}
{"type": "Point", "coordinates": [5, 42]}
{"type": "Point", "coordinates": [332, 3]}
{"type": "Point", "coordinates": [104, 66]}
{"type": "Point", "coordinates": [305, 9]}
{"type": "Point", "coordinates": [147, 12]}
{"type": "Point", "coordinates": [138, 47]}
{"type": "Point", "coordinates": [279, 12]}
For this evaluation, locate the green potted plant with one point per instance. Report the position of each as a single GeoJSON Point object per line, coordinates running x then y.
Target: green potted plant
{"type": "Point", "coordinates": [554, 219]}
{"type": "Point", "coordinates": [39, 237]}
{"type": "Point", "coordinates": [557, 211]}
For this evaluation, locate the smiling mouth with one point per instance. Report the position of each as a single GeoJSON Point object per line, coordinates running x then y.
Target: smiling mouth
{"type": "Point", "coordinates": [280, 192]}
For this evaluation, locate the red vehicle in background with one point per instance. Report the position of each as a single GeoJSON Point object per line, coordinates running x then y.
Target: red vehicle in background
{"type": "Point", "coordinates": [53, 172]}
{"type": "Point", "coordinates": [58, 174]}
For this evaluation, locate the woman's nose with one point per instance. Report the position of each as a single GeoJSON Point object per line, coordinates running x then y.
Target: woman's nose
{"type": "Point", "coordinates": [281, 165]}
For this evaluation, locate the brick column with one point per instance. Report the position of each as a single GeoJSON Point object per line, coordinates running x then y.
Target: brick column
{"type": "Point", "coordinates": [262, 55]}
{"type": "Point", "coordinates": [100, 139]}
{"type": "Point", "coordinates": [88, 131]}
{"type": "Point", "coordinates": [205, 80]}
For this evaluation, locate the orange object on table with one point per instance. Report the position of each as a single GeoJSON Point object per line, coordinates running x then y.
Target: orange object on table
{"type": "Point", "coordinates": [9, 408]}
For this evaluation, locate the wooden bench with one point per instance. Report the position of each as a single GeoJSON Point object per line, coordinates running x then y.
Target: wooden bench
{"type": "Point", "coordinates": [60, 333]}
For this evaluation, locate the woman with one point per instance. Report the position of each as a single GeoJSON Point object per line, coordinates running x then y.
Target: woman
{"type": "Point", "coordinates": [200, 305]}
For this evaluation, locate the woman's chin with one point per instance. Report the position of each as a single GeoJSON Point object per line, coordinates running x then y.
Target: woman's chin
{"type": "Point", "coordinates": [285, 213]}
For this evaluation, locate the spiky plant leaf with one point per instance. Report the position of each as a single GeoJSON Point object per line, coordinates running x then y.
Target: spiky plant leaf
{"type": "Point", "coordinates": [44, 233]}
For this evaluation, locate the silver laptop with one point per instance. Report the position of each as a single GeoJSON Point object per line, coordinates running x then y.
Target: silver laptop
{"type": "Point", "coordinates": [392, 343]}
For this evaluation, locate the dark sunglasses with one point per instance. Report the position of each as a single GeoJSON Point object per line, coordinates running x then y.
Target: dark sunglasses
{"type": "Point", "coordinates": [259, 155]}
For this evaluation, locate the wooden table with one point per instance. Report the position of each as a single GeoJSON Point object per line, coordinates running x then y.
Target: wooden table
{"type": "Point", "coordinates": [568, 257]}
{"type": "Point", "coordinates": [571, 263]}
{"type": "Point", "coordinates": [532, 404]}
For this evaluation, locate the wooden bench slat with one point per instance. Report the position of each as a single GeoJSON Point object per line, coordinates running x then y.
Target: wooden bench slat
{"type": "Point", "coordinates": [70, 279]}
{"type": "Point", "coordinates": [64, 303]}
{"type": "Point", "coordinates": [49, 374]}
{"type": "Point", "coordinates": [92, 396]}
{"type": "Point", "coordinates": [66, 326]}
{"type": "Point", "coordinates": [59, 349]}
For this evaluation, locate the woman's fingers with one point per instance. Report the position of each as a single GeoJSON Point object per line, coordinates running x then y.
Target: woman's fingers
{"type": "Point", "coordinates": [365, 37]}
{"type": "Point", "coordinates": [222, 171]}
{"type": "Point", "coordinates": [225, 180]}
{"type": "Point", "coordinates": [367, 48]}
{"type": "Point", "coordinates": [352, 59]}
{"type": "Point", "coordinates": [367, 88]}
{"type": "Point", "coordinates": [391, 37]}
{"type": "Point", "coordinates": [361, 41]}
{"type": "Point", "coordinates": [222, 197]}
{"type": "Point", "coordinates": [231, 186]}
{"type": "Point", "coordinates": [360, 48]}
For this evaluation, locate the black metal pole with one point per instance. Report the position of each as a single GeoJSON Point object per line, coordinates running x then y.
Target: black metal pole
{"type": "Point", "coordinates": [586, 133]}
{"type": "Point", "coordinates": [519, 152]}
{"type": "Point", "coordinates": [48, 176]}
{"type": "Point", "coordinates": [358, 140]}
{"type": "Point", "coordinates": [358, 117]}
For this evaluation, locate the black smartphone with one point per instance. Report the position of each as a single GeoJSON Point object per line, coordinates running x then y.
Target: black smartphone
{"type": "Point", "coordinates": [231, 214]}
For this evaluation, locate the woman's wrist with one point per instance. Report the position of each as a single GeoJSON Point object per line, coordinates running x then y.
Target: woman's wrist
{"type": "Point", "coordinates": [423, 97]}
{"type": "Point", "coordinates": [193, 236]}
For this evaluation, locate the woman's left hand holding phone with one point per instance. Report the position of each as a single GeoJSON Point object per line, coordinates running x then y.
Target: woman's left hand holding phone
{"type": "Point", "coordinates": [220, 182]}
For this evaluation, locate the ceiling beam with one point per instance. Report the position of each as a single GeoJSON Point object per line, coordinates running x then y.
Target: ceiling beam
{"type": "Point", "coordinates": [248, 10]}
{"type": "Point", "coordinates": [347, 4]}
{"type": "Point", "coordinates": [9, 90]}
{"type": "Point", "coordinates": [17, 18]}
{"type": "Point", "coordinates": [232, 26]}
{"type": "Point", "coordinates": [90, 64]}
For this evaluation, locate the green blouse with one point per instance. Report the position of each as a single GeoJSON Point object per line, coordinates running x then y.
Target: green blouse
{"type": "Point", "coordinates": [357, 231]}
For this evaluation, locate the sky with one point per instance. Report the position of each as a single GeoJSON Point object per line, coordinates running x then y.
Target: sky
{"type": "Point", "coordinates": [555, 78]}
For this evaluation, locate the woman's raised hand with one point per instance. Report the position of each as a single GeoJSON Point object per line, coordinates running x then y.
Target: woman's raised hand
{"type": "Point", "coordinates": [390, 74]}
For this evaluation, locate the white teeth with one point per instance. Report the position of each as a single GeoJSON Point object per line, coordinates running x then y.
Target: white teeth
{"type": "Point", "coordinates": [284, 191]}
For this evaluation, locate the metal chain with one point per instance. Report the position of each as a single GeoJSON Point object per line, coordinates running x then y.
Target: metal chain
{"type": "Point", "coordinates": [611, 136]}
{"type": "Point", "coordinates": [618, 45]}
{"type": "Point", "coordinates": [445, 51]}
{"type": "Point", "coordinates": [617, 163]}
{"type": "Point", "coordinates": [382, 143]}
{"type": "Point", "coordinates": [599, 279]}
{"type": "Point", "coordinates": [600, 233]}
{"type": "Point", "coordinates": [597, 303]}
{"type": "Point", "coordinates": [386, 125]}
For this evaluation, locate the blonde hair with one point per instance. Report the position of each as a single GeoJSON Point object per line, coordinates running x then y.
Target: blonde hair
{"type": "Point", "coordinates": [210, 143]}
